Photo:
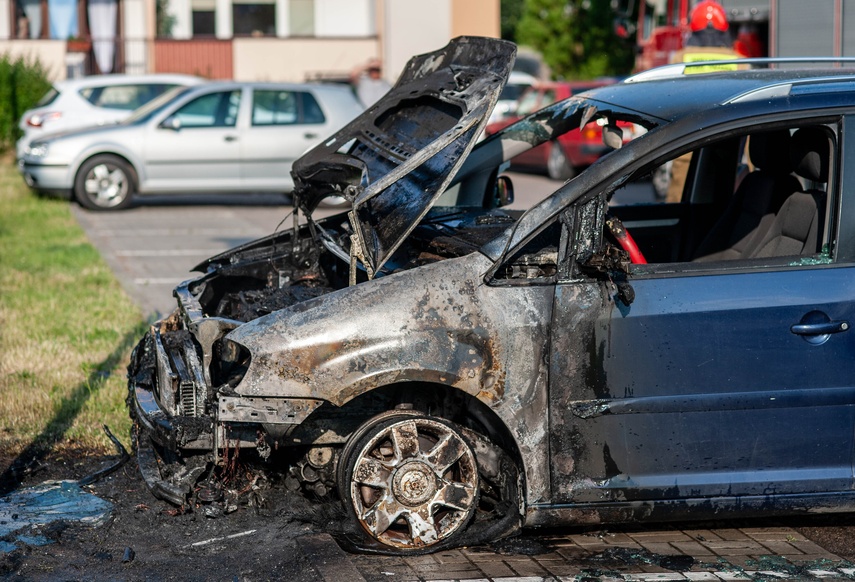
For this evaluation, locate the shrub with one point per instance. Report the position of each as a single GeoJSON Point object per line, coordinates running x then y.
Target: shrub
{"type": "Point", "coordinates": [22, 84]}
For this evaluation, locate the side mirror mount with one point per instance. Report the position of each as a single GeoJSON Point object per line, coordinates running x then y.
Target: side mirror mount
{"type": "Point", "coordinates": [613, 136]}
{"type": "Point", "coordinates": [504, 191]}
{"type": "Point", "coordinates": [172, 122]}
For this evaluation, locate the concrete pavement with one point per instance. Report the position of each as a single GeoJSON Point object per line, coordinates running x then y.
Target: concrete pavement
{"type": "Point", "coordinates": [759, 553]}
{"type": "Point", "coordinates": [153, 247]}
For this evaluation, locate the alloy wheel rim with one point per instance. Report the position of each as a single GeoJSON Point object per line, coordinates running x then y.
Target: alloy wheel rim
{"type": "Point", "coordinates": [414, 484]}
{"type": "Point", "coordinates": [106, 185]}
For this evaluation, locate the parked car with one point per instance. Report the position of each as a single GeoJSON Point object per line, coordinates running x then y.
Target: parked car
{"type": "Point", "coordinates": [217, 137]}
{"type": "Point", "coordinates": [506, 106]}
{"type": "Point", "coordinates": [94, 100]}
{"type": "Point", "coordinates": [562, 158]}
{"type": "Point", "coordinates": [456, 370]}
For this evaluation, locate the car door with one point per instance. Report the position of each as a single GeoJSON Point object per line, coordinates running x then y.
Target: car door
{"type": "Point", "coordinates": [283, 125]}
{"type": "Point", "coordinates": [195, 147]}
{"type": "Point", "coordinates": [731, 379]}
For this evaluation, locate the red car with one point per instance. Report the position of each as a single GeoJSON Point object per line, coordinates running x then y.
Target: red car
{"type": "Point", "coordinates": [574, 150]}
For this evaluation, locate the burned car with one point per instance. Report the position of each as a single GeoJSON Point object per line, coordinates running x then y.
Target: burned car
{"type": "Point", "coordinates": [454, 370]}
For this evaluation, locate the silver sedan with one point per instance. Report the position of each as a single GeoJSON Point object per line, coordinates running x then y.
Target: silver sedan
{"type": "Point", "coordinates": [217, 137]}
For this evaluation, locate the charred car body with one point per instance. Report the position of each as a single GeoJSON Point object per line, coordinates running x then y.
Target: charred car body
{"type": "Point", "coordinates": [449, 366]}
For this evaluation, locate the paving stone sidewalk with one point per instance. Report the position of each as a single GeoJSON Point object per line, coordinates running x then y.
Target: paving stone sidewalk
{"type": "Point", "coordinates": [778, 553]}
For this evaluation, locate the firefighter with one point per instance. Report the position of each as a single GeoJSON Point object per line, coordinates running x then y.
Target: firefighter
{"type": "Point", "coordinates": [709, 39]}
{"type": "Point", "coordinates": [708, 23]}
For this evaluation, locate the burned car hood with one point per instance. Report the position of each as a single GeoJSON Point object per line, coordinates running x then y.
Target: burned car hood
{"type": "Point", "coordinates": [393, 161]}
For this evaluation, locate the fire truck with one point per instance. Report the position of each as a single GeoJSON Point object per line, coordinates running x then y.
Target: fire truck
{"type": "Point", "coordinates": [775, 28]}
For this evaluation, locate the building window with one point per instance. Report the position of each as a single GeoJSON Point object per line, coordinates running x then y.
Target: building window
{"type": "Point", "coordinates": [256, 19]}
{"type": "Point", "coordinates": [204, 20]}
{"type": "Point", "coordinates": [301, 18]}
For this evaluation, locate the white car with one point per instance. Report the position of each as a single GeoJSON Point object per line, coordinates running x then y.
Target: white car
{"type": "Point", "coordinates": [216, 137]}
{"type": "Point", "coordinates": [506, 106]}
{"type": "Point", "coordinates": [94, 100]}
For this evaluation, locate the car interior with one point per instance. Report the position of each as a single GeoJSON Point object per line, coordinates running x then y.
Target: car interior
{"type": "Point", "coordinates": [744, 199]}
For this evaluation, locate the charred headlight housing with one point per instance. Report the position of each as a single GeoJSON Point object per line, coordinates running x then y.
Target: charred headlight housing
{"type": "Point", "coordinates": [231, 362]}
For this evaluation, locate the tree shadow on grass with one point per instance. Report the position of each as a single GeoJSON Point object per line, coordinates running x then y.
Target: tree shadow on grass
{"type": "Point", "coordinates": [55, 430]}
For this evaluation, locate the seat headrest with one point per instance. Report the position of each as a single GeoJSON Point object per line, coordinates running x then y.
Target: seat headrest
{"type": "Point", "coordinates": [810, 153]}
{"type": "Point", "coordinates": [770, 151]}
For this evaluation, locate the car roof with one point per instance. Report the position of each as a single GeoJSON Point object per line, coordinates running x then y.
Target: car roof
{"type": "Point", "coordinates": [220, 85]}
{"type": "Point", "coordinates": [572, 85]}
{"type": "Point", "coordinates": [669, 97]}
{"type": "Point", "coordinates": [123, 79]}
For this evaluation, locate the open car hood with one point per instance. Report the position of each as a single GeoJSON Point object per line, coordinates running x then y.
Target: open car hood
{"type": "Point", "coordinates": [393, 161]}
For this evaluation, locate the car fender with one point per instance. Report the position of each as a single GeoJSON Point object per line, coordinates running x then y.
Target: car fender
{"type": "Point", "coordinates": [440, 323]}
{"type": "Point", "coordinates": [108, 148]}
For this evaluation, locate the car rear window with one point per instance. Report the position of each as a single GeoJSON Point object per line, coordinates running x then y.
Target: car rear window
{"type": "Point", "coordinates": [48, 97]}
{"type": "Point", "coordinates": [126, 97]}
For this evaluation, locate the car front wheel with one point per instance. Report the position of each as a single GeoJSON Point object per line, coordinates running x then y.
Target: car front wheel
{"type": "Point", "coordinates": [411, 482]}
{"type": "Point", "coordinates": [104, 182]}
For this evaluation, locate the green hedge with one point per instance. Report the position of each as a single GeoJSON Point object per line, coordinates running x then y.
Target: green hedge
{"type": "Point", "coordinates": [22, 84]}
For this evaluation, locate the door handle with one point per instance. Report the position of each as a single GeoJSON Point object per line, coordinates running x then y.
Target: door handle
{"type": "Point", "coordinates": [820, 328]}
{"type": "Point", "coordinates": [230, 138]}
{"type": "Point", "coordinates": [310, 135]}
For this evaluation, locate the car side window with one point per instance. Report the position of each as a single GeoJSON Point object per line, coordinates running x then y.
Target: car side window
{"type": "Point", "coordinates": [274, 107]}
{"type": "Point", "coordinates": [124, 97]}
{"type": "Point", "coordinates": [759, 198]}
{"type": "Point", "coordinates": [311, 111]}
{"type": "Point", "coordinates": [211, 110]}
{"type": "Point", "coordinates": [277, 107]}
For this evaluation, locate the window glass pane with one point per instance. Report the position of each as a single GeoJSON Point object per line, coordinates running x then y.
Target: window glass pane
{"type": "Point", "coordinates": [741, 198]}
{"type": "Point", "coordinates": [274, 108]}
{"type": "Point", "coordinates": [126, 97]}
{"type": "Point", "coordinates": [204, 23]}
{"type": "Point", "coordinates": [214, 110]}
{"type": "Point", "coordinates": [48, 98]}
{"type": "Point", "coordinates": [254, 19]}
{"type": "Point", "coordinates": [528, 102]}
{"type": "Point", "coordinates": [311, 110]}
{"type": "Point", "coordinates": [548, 98]}
{"type": "Point", "coordinates": [301, 18]}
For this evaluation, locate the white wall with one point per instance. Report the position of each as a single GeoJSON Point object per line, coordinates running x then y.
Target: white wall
{"type": "Point", "coordinates": [293, 59]}
{"type": "Point", "coordinates": [343, 18]}
{"type": "Point", "coordinates": [413, 28]}
{"type": "Point", "coordinates": [6, 27]}
{"type": "Point", "coordinates": [134, 29]}
{"type": "Point", "coordinates": [183, 13]}
{"type": "Point", "coordinates": [51, 54]}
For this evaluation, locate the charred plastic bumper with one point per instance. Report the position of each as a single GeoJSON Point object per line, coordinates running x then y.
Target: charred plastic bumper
{"type": "Point", "coordinates": [180, 407]}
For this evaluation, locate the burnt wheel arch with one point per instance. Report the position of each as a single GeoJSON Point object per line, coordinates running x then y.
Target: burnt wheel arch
{"type": "Point", "coordinates": [500, 463]}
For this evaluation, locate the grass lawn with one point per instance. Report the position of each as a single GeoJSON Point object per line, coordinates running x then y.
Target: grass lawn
{"type": "Point", "coordinates": [66, 330]}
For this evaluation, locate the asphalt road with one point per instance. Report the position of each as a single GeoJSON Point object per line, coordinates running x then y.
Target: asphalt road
{"type": "Point", "coordinates": [154, 246]}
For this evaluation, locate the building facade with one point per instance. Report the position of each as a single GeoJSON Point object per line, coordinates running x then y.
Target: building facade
{"type": "Point", "coordinates": [269, 40]}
